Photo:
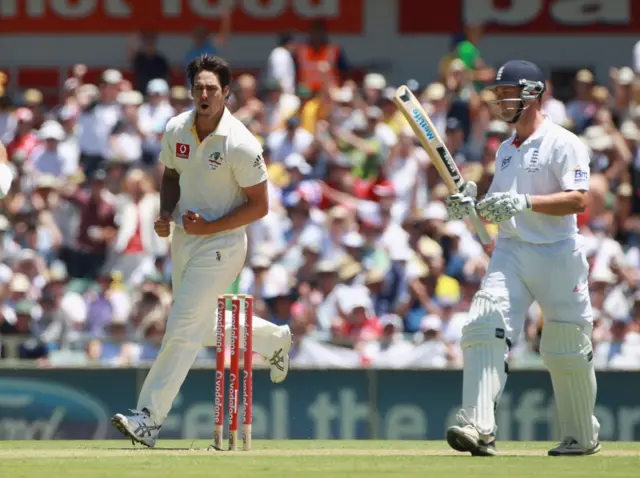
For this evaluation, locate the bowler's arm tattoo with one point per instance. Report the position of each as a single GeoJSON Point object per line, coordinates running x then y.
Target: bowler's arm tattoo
{"type": "Point", "coordinates": [170, 190]}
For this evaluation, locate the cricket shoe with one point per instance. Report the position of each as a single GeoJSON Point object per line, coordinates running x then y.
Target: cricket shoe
{"type": "Point", "coordinates": [279, 361]}
{"type": "Point", "coordinates": [570, 447]}
{"type": "Point", "coordinates": [139, 426]}
{"type": "Point", "coordinates": [467, 438]}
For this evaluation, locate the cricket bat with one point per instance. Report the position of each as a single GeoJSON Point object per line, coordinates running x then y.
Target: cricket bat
{"type": "Point", "coordinates": [432, 143]}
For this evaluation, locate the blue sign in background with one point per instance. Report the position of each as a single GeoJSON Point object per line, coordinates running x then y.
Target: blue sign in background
{"type": "Point", "coordinates": [331, 404]}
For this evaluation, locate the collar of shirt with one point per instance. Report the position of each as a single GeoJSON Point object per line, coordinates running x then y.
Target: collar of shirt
{"type": "Point", "coordinates": [221, 130]}
{"type": "Point", "coordinates": [539, 132]}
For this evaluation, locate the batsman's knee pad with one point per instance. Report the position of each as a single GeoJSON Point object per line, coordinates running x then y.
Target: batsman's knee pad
{"type": "Point", "coordinates": [485, 372]}
{"type": "Point", "coordinates": [486, 323]}
{"type": "Point", "coordinates": [568, 355]}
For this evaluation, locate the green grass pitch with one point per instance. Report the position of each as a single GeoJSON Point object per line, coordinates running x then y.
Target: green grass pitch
{"type": "Point", "coordinates": [280, 459]}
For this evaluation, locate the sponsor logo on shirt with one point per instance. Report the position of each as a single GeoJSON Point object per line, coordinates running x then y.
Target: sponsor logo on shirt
{"type": "Point", "coordinates": [506, 161]}
{"type": "Point", "coordinates": [182, 150]}
{"type": "Point", "coordinates": [580, 175]}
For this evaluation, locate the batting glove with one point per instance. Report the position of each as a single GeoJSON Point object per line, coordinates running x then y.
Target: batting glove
{"type": "Point", "coordinates": [461, 205]}
{"type": "Point", "coordinates": [498, 207]}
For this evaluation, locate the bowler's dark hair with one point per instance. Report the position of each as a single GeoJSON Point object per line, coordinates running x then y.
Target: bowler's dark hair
{"type": "Point", "coordinates": [211, 63]}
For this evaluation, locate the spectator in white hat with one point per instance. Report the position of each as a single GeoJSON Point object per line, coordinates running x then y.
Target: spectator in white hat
{"type": "Point", "coordinates": [290, 139]}
{"type": "Point", "coordinates": [68, 147]}
{"type": "Point", "coordinates": [623, 80]}
{"type": "Point", "coordinates": [581, 108]}
{"type": "Point", "coordinates": [435, 100]}
{"type": "Point", "coordinates": [328, 290]}
{"type": "Point", "coordinates": [372, 87]}
{"type": "Point", "coordinates": [47, 158]}
{"type": "Point", "coordinates": [381, 130]}
{"type": "Point", "coordinates": [126, 136]}
{"type": "Point", "coordinates": [392, 349]}
{"type": "Point", "coordinates": [297, 169]}
{"type": "Point", "coordinates": [97, 121]}
{"type": "Point", "coordinates": [359, 324]}
{"type": "Point", "coordinates": [432, 350]}
{"type": "Point", "coordinates": [153, 116]}
{"type": "Point", "coordinates": [311, 250]}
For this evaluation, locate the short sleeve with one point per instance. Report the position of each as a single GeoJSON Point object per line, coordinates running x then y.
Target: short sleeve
{"type": "Point", "coordinates": [166, 154]}
{"type": "Point", "coordinates": [248, 164]}
{"type": "Point", "coordinates": [571, 165]}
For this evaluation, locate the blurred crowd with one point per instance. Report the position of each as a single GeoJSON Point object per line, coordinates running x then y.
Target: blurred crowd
{"type": "Point", "coordinates": [357, 254]}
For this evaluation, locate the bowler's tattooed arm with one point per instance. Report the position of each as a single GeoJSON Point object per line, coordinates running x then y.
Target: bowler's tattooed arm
{"type": "Point", "coordinates": [169, 191]}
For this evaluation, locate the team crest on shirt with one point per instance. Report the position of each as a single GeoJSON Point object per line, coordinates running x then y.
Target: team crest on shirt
{"type": "Point", "coordinates": [533, 165]}
{"type": "Point", "coordinates": [215, 160]}
{"type": "Point", "coordinates": [506, 161]}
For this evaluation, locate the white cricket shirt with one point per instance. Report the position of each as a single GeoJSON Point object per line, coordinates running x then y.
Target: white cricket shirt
{"type": "Point", "coordinates": [214, 171]}
{"type": "Point", "coordinates": [551, 160]}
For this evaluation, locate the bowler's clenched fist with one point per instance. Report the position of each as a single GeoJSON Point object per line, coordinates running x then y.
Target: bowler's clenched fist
{"type": "Point", "coordinates": [194, 224]}
{"type": "Point", "coordinates": [162, 225]}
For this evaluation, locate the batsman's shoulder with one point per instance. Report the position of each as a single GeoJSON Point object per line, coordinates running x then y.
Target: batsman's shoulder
{"type": "Point", "coordinates": [561, 134]}
{"type": "Point", "coordinates": [567, 142]}
{"type": "Point", "coordinates": [504, 146]}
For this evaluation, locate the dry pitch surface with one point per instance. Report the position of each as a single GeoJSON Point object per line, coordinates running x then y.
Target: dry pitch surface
{"type": "Point", "coordinates": [335, 459]}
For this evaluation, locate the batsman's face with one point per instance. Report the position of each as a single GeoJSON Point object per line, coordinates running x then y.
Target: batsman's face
{"type": "Point", "coordinates": [507, 102]}
{"type": "Point", "coordinates": [208, 95]}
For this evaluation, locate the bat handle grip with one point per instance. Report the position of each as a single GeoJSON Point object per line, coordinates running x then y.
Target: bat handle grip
{"type": "Point", "coordinates": [480, 229]}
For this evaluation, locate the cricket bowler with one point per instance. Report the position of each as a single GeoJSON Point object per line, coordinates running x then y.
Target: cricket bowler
{"type": "Point", "coordinates": [540, 184]}
{"type": "Point", "coordinates": [214, 185]}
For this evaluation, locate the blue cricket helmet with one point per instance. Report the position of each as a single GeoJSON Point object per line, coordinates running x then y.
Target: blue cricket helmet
{"type": "Point", "coordinates": [524, 74]}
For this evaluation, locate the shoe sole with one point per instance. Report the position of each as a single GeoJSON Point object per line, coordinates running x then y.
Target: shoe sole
{"type": "Point", "coordinates": [459, 441]}
{"type": "Point", "coordinates": [462, 443]}
{"type": "Point", "coordinates": [121, 427]}
{"type": "Point", "coordinates": [590, 451]}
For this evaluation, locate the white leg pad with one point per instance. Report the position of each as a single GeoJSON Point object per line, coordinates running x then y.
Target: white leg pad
{"type": "Point", "coordinates": [484, 375]}
{"type": "Point", "coordinates": [568, 355]}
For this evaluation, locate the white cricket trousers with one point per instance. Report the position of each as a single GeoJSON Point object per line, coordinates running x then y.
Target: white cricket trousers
{"type": "Point", "coordinates": [555, 275]}
{"type": "Point", "coordinates": [204, 267]}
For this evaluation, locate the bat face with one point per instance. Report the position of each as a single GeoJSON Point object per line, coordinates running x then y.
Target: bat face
{"type": "Point", "coordinates": [405, 95]}
{"type": "Point", "coordinates": [429, 138]}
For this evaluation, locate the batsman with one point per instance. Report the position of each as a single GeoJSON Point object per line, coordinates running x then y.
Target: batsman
{"type": "Point", "coordinates": [540, 184]}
